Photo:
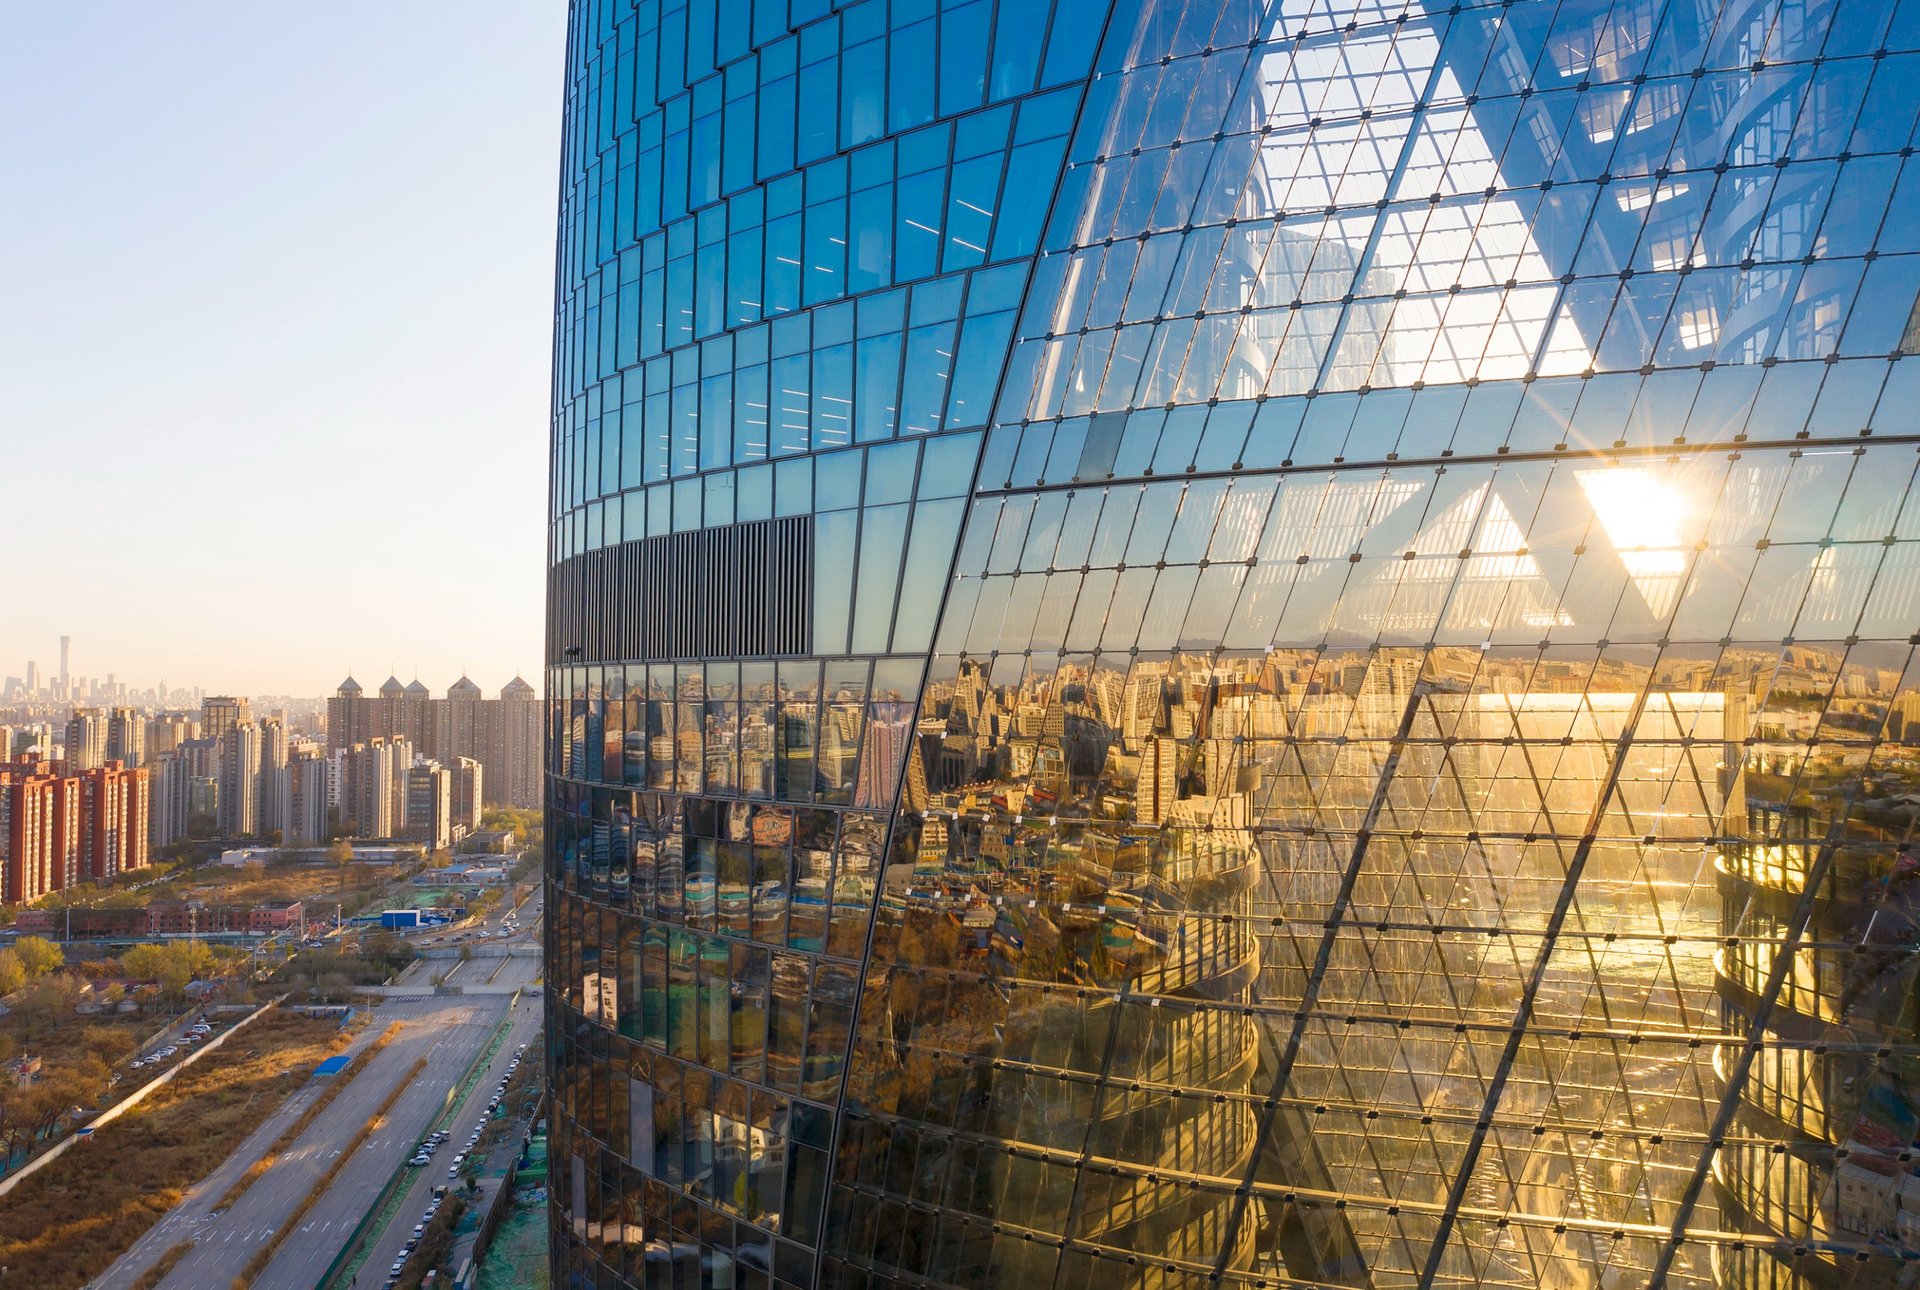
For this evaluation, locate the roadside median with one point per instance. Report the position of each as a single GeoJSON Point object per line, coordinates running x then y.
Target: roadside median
{"type": "Point", "coordinates": [264, 1255]}
{"type": "Point", "coordinates": [292, 1133]}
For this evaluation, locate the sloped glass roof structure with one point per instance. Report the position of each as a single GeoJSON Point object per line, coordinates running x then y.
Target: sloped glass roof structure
{"type": "Point", "coordinates": [1232, 643]}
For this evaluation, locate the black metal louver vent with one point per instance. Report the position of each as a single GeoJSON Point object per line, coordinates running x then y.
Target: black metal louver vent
{"type": "Point", "coordinates": [741, 591]}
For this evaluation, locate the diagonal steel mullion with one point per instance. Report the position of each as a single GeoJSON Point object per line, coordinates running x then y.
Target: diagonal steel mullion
{"type": "Point", "coordinates": [1323, 958]}
{"type": "Point", "coordinates": [1736, 1080]}
{"type": "Point", "coordinates": [1550, 936]}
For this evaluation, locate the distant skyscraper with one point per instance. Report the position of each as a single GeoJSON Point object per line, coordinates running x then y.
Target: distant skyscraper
{"type": "Point", "coordinates": [1398, 524]}
{"type": "Point", "coordinates": [66, 648]}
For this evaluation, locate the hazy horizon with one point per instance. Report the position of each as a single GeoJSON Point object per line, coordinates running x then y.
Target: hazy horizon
{"type": "Point", "coordinates": [275, 344]}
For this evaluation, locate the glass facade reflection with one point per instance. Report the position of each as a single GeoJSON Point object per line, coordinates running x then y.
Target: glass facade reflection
{"type": "Point", "coordinates": [1225, 642]}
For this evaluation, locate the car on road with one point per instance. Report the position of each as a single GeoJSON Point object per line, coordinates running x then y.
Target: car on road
{"type": "Point", "coordinates": [420, 1159]}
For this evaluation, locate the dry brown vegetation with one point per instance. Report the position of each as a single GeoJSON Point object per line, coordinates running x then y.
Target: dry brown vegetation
{"type": "Point", "coordinates": [154, 1275]}
{"type": "Point", "coordinates": [319, 883]}
{"type": "Point", "coordinates": [67, 1223]}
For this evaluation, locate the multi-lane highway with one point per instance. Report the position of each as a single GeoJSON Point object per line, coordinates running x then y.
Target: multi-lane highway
{"type": "Point", "coordinates": [450, 1031]}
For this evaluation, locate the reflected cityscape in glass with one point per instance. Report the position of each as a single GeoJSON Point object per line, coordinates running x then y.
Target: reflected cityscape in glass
{"type": "Point", "coordinates": [1218, 643]}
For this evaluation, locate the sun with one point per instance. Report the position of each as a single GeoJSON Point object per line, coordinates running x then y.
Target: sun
{"type": "Point", "coordinates": [1642, 515]}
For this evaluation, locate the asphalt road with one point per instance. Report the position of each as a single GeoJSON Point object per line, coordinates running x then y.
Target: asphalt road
{"type": "Point", "coordinates": [526, 1025]}
{"type": "Point", "coordinates": [449, 1031]}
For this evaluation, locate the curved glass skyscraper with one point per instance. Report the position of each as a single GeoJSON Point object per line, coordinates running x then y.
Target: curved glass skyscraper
{"type": "Point", "coordinates": [1218, 643]}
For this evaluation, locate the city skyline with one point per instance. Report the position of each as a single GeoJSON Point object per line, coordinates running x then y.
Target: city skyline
{"type": "Point", "coordinates": [311, 337]}
{"type": "Point", "coordinates": [33, 680]}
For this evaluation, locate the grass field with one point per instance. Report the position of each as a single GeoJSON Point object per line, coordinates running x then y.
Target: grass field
{"type": "Point", "coordinates": [67, 1223]}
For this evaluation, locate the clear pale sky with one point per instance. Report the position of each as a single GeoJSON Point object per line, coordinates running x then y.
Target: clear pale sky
{"type": "Point", "coordinates": [276, 285]}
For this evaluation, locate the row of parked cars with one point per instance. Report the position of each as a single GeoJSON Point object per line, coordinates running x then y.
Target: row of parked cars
{"type": "Point", "coordinates": [423, 1154]}
{"type": "Point", "coordinates": [161, 1056]}
{"type": "Point", "coordinates": [500, 1090]}
{"type": "Point", "coordinates": [413, 1241]}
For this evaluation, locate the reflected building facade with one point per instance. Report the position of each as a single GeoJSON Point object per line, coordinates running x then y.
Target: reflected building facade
{"type": "Point", "coordinates": [1217, 643]}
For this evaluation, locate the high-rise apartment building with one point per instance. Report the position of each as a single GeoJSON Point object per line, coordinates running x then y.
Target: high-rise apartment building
{"type": "Point", "coordinates": [220, 713]}
{"type": "Point", "coordinates": [115, 821]}
{"type": "Point", "coordinates": [27, 805]}
{"type": "Point", "coordinates": [304, 796]}
{"type": "Point", "coordinates": [351, 718]}
{"type": "Point", "coordinates": [127, 736]}
{"type": "Point", "coordinates": [373, 791]}
{"type": "Point", "coordinates": [168, 731]}
{"type": "Point", "coordinates": [505, 734]}
{"type": "Point", "coordinates": [88, 736]}
{"type": "Point", "coordinates": [468, 790]}
{"type": "Point", "coordinates": [429, 806]}
{"type": "Point", "coordinates": [273, 760]}
{"type": "Point", "coordinates": [1391, 527]}
{"type": "Point", "coordinates": [168, 790]}
{"type": "Point", "coordinates": [240, 797]}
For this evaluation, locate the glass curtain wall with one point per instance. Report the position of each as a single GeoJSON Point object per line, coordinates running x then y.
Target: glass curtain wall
{"type": "Point", "coordinates": [1354, 719]}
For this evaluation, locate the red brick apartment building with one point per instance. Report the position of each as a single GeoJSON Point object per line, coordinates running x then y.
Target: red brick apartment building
{"type": "Point", "coordinates": [58, 829]}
